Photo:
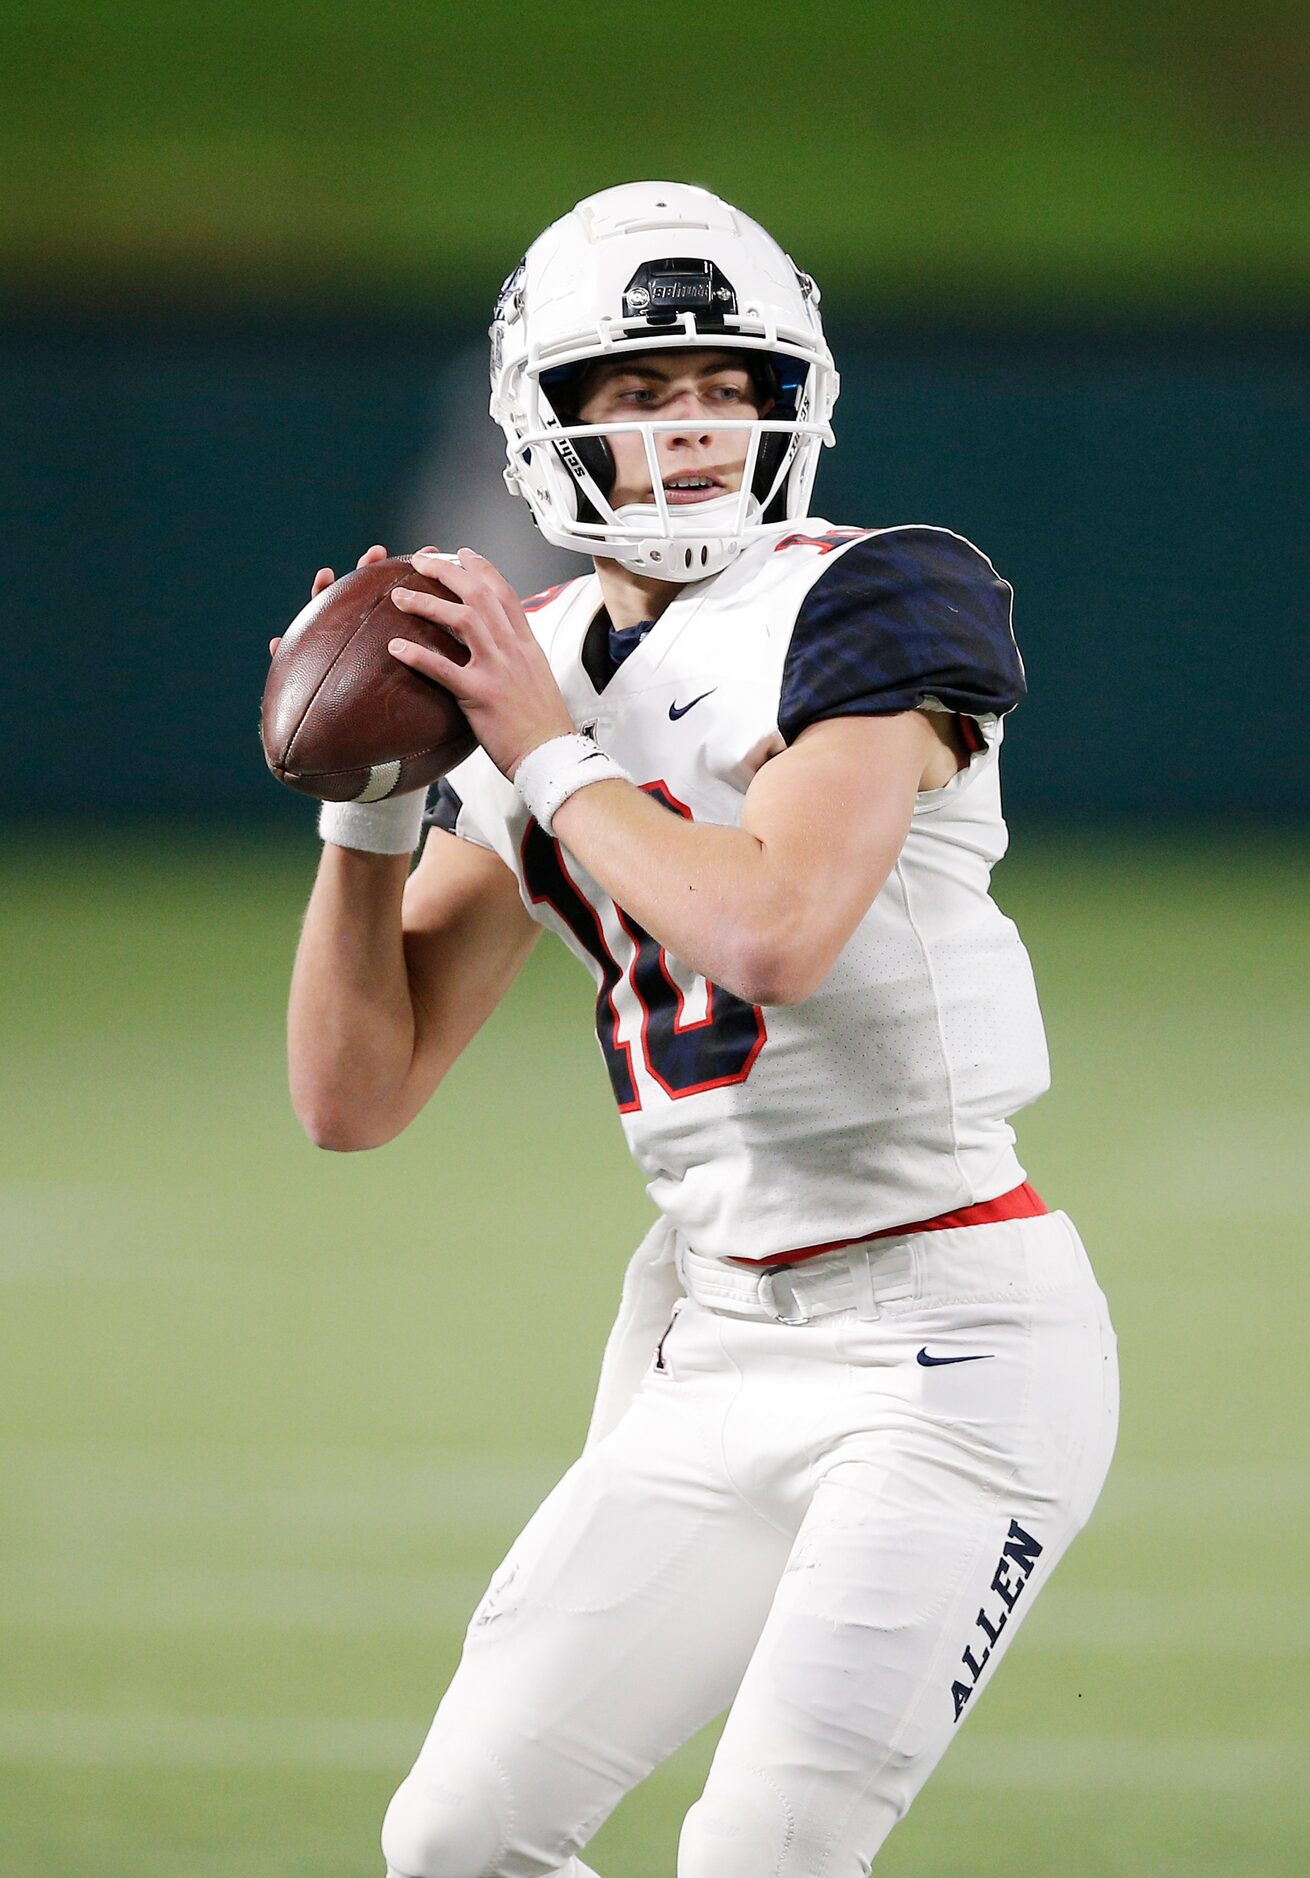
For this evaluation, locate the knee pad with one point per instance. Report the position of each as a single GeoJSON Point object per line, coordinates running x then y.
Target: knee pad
{"type": "Point", "coordinates": [445, 1822]}
{"type": "Point", "coordinates": [741, 1827]}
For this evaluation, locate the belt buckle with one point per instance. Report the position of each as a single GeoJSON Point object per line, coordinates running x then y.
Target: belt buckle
{"type": "Point", "coordinates": [778, 1292]}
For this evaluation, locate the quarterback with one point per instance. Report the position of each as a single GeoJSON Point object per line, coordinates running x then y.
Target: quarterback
{"type": "Point", "coordinates": [861, 1392]}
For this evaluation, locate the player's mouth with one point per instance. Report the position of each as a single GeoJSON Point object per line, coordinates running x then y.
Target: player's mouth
{"type": "Point", "coordinates": [681, 491]}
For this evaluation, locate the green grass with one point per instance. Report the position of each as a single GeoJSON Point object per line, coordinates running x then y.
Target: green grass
{"type": "Point", "coordinates": [269, 1416]}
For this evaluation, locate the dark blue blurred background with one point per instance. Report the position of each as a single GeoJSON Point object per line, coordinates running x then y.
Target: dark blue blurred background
{"type": "Point", "coordinates": [168, 489]}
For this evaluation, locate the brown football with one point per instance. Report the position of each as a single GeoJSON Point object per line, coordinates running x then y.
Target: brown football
{"type": "Point", "coordinates": [345, 721]}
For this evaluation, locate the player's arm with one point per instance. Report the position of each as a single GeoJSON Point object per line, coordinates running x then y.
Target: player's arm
{"type": "Point", "coordinates": [394, 974]}
{"type": "Point", "coordinates": [393, 977]}
{"type": "Point", "coordinates": [765, 909]}
{"type": "Point", "coordinates": [762, 909]}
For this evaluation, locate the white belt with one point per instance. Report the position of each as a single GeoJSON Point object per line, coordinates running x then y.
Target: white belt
{"type": "Point", "coordinates": [860, 1278]}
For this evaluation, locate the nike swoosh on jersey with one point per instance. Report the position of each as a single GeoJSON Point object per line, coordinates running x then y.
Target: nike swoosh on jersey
{"type": "Point", "coordinates": [680, 710]}
{"type": "Point", "coordinates": [935, 1362]}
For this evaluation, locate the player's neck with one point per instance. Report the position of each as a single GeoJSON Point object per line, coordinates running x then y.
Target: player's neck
{"type": "Point", "coordinates": [630, 598]}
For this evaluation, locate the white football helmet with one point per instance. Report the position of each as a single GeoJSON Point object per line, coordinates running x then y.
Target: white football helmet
{"type": "Point", "coordinates": [639, 268]}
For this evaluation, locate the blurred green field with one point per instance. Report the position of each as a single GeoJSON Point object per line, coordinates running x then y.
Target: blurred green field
{"type": "Point", "coordinates": [970, 156]}
{"type": "Point", "coordinates": [270, 1416]}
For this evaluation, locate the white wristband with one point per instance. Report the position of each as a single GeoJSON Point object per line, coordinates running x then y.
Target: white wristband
{"type": "Point", "coordinates": [554, 771]}
{"type": "Point", "coordinates": [392, 826]}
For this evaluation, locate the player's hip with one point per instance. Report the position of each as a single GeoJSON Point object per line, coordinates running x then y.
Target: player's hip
{"type": "Point", "coordinates": [984, 1353]}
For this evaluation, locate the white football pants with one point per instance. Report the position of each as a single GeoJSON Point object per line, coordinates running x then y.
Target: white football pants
{"type": "Point", "coordinates": [835, 1527]}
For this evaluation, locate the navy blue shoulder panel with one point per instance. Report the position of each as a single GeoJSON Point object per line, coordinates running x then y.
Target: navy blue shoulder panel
{"type": "Point", "coordinates": [444, 805]}
{"type": "Point", "coordinates": [908, 614]}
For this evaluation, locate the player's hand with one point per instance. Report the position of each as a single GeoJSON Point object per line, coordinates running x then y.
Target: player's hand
{"type": "Point", "coordinates": [325, 577]}
{"type": "Point", "coordinates": [507, 690]}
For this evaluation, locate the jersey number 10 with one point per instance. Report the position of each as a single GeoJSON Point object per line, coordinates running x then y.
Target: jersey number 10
{"type": "Point", "coordinates": [682, 1058]}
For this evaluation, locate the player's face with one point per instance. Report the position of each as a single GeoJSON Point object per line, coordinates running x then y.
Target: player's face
{"type": "Point", "coordinates": [691, 389]}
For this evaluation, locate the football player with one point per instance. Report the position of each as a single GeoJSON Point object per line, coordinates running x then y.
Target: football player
{"type": "Point", "coordinates": [861, 1392]}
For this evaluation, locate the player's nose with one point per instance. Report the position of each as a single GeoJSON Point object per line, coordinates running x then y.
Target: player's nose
{"type": "Point", "coordinates": [686, 407]}
{"type": "Point", "coordinates": [690, 416]}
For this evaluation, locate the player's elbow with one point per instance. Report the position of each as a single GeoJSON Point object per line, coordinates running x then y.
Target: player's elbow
{"type": "Point", "coordinates": [776, 968]}
{"type": "Point", "coordinates": [779, 986]}
{"type": "Point", "coordinates": [343, 1128]}
{"type": "Point", "coordinates": [336, 1136]}
{"type": "Point", "coordinates": [342, 1141]}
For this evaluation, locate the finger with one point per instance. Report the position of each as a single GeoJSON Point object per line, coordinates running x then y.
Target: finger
{"type": "Point", "coordinates": [323, 578]}
{"type": "Point", "coordinates": [471, 562]}
{"type": "Point", "coordinates": [376, 553]}
{"type": "Point", "coordinates": [273, 645]}
{"type": "Point", "coordinates": [479, 616]}
{"type": "Point", "coordinates": [434, 665]}
{"type": "Point", "coordinates": [480, 588]}
{"type": "Point", "coordinates": [444, 567]}
{"type": "Point", "coordinates": [452, 614]}
{"type": "Point", "coordinates": [479, 564]}
{"type": "Point", "coordinates": [488, 598]}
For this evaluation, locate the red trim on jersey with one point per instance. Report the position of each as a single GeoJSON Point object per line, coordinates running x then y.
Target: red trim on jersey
{"type": "Point", "coordinates": [1020, 1202]}
{"type": "Point", "coordinates": [836, 538]}
{"type": "Point", "coordinates": [682, 1026]}
{"type": "Point", "coordinates": [536, 601]}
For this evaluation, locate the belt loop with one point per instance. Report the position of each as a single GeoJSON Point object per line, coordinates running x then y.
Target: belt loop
{"type": "Point", "coordinates": [859, 1258]}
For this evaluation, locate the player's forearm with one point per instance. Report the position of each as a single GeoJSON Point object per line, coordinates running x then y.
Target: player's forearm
{"type": "Point", "coordinates": [712, 896]}
{"type": "Point", "coordinates": [351, 1020]}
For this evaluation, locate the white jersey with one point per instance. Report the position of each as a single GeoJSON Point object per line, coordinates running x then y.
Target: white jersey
{"type": "Point", "coordinates": [883, 1098]}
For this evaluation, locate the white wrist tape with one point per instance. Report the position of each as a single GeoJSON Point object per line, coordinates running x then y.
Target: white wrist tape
{"type": "Point", "coordinates": [554, 771]}
{"type": "Point", "coordinates": [389, 827]}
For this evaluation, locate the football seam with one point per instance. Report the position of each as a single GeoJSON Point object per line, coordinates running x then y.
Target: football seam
{"type": "Point", "coordinates": [340, 651]}
{"type": "Point", "coordinates": [355, 769]}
